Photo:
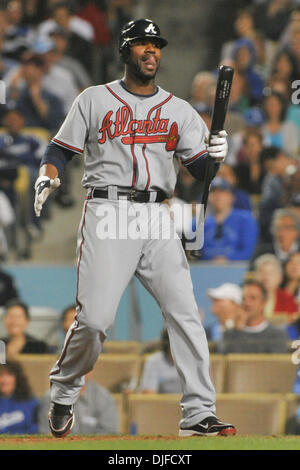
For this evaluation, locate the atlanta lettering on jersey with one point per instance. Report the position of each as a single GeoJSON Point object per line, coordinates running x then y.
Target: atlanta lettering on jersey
{"type": "Point", "coordinates": [138, 131]}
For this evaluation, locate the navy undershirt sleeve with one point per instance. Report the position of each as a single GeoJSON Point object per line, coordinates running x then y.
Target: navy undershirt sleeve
{"type": "Point", "coordinates": [57, 156]}
{"type": "Point", "coordinates": [197, 168]}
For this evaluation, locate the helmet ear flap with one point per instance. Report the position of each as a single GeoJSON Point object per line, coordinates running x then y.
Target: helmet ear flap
{"type": "Point", "coordinates": [125, 53]}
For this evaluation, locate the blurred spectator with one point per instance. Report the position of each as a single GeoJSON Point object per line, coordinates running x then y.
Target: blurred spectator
{"type": "Point", "coordinates": [18, 406]}
{"type": "Point", "coordinates": [265, 52]}
{"type": "Point", "coordinates": [252, 120]}
{"type": "Point", "coordinates": [272, 17]}
{"type": "Point", "coordinates": [56, 79]}
{"type": "Point", "coordinates": [7, 219]}
{"type": "Point", "coordinates": [244, 27]}
{"type": "Point", "coordinates": [294, 204]}
{"type": "Point", "coordinates": [17, 36]}
{"type": "Point", "coordinates": [239, 100]}
{"type": "Point", "coordinates": [81, 76]}
{"type": "Point", "coordinates": [278, 168]}
{"type": "Point", "coordinates": [159, 373]}
{"type": "Point", "coordinates": [244, 56]}
{"type": "Point", "coordinates": [8, 161]}
{"type": "Point", "coordinates": [296, 388]}
{"type": "Point", "coordinates": [280, 303]}
{"type": "Point", "coordinates": [203, 89]}
{"type": "Point", "coordinates": [81, 32]}
{"type": "Point", "coordinates": [95, 411]}
{"type": "Point", "coordinates": [20, 155]}
{"type": "Point", "coordinates": [258, 335]}
{"type": "Point", "coordinates": [291, 276]}
{"type": "Point", "coordinates": [41, 108]}
{"type": "Point", "coordinates": [284, 87]}
{"type": "Point", "coordinates": [285, 66]}
{"type": "Point", "coordinates": [34, 11]}
{"type": "Point", "coordinates": [8, 288]}
{"type": "Point", "coordinates": [16, 320]}
{"type": "Point", "coordinates": [6, 64]}
{"type": "Point", "coordinates": [285, 231]}
{"type": "Point", "coordinates": [119, 13]}
{"type": "Point", "coordinates": [67, 317]}
{"type": "Point", "coordinates": [294, 43]}
{"type": "Point", "coordinates": [285, 37]}
{"type": "Point", "coordinates": [249, 170]}
{"type": "Point", "coordinates": [226, 306]}
{"type": "Point", "coordinates": [277, 131]}
{"type": "Point", "coordinates": [229, 234]}
{"type": "Point", "coordinates": [241, 197]}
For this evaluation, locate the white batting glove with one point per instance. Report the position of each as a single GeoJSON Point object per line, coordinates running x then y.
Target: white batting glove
{"type": "Point", "coordinates": [43, 187]}
{"type": "Point", "coordinates": [217, 146]}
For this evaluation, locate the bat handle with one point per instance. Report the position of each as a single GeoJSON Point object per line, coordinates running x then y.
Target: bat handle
{"type": "Point", "coordinates": [209, 173]}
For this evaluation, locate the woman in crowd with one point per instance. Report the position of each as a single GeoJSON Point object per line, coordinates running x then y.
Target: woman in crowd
{"type": "Point", "coordinates": [18, 406]}
{"type": "Point", "coordinates": [18, 341]}
{"type": "Point", "coordinates": [281, 304]}
{"type": "Point", "coordinates": [277, 131]}
{"type": "Point", "coordinates": [291, 280]}
{"type": "Point", "coordinates": [249, 170]}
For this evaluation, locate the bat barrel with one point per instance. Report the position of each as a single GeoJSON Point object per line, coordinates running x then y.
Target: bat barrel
{"type": "Point", "coordinates": [221, 98]}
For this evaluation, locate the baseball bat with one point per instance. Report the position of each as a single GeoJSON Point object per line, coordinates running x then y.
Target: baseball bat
{"type": "Point", "coordinates": [217, 122]}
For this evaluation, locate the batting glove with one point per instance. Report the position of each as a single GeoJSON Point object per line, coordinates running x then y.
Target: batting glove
{"type": "Point", "coordinates": [43, 187]}
{"type": "Point", "coordinates": [217, 146]}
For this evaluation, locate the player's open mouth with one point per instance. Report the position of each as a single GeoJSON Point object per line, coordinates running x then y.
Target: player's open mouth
{"type": "Point", "coordinates": [150, 62]}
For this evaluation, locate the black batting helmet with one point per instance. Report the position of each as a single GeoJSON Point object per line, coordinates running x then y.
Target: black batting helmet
{"type": "Point", "coordinates": [138, 29]}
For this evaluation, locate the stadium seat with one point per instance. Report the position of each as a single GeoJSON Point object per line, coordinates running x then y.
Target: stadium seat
{"type": "Point", "coordinates": [122, 347]}
{"type": "Point", "coordinates": [36, 368]}
{"type": "Point", "coordinates": [116, 372]}
{"type": "Point", "coordinates": [122, 417]}
{"type": "Point", "coordinates": [153, 414]}
{"type": "Point", "coordinates": [259, 373]}
{"type": "Point", "coordinates": [262, 414]}
{"type": "Point", "coordinates": [217, 371]}
{"type": "Point", "coordinates": [292, 403]}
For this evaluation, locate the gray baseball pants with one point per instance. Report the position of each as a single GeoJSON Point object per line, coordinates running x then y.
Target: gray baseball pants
{"type": "Point", "coordinates": [105, 268]}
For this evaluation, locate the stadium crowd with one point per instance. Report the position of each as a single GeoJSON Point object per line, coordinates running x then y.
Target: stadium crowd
{"type": "Point", "coordinates": [49, 52]}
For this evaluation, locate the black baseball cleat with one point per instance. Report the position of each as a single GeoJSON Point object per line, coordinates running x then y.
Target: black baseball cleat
{"type": "Point", "coordinates": [61, 419]}
{"type": "Point", "coordinates": [210, 426]}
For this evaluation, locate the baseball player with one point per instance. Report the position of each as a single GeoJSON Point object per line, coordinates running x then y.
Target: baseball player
{"type": "Point", "coordinates": [132, 134]}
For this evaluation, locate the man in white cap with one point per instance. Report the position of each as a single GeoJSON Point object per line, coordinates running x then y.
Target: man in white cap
{"type": "Point", "coordinates": [226, 305]}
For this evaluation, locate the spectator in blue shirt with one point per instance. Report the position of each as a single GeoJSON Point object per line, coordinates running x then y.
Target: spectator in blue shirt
{"type": "Point", "coordinates": [229, 234]}
{"type": "Point", "coordinates": [18, 406]}
{"type": "Point", "coordinates": [19, 150]}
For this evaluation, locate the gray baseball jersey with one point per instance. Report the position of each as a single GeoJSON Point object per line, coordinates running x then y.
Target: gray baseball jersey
{"type": "Point", "coordinates": [132, 140]}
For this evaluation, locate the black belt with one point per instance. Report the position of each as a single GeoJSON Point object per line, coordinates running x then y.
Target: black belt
{"type": "Point", "coordinates": [133, 195]}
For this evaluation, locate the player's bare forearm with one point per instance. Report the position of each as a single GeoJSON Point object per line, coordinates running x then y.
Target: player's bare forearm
{"type": "Point", "coordinates": [48, 170]}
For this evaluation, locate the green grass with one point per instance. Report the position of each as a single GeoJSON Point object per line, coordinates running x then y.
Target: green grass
{"type": "Point", "coordinates": [153, 443]}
